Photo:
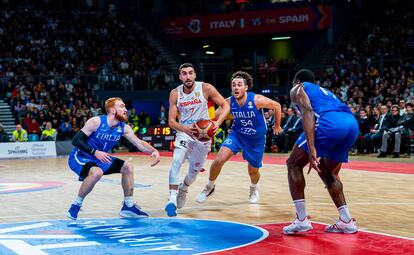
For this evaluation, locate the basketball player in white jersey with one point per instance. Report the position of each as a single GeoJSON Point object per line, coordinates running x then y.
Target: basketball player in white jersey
{"type": "Point", "coordinates": [189, 101]}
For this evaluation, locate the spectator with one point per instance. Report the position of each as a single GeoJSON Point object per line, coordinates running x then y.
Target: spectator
{"type": "Point", "coordinates": [34, 128]}
{"type": "Point", "coordinates": [49, 134]}
{"type": "Point", "coordinates": [4, 137]}
{"type": "Point", "coordinates": [19, 135]}
{"type": "Point", "coordinates": [405, 128]}
{"type": "Point", "coordinates": [162, 120]}
{"type": "Point", "coordinates": [65, 130]}
{"type": "Point", "coordinates": [376, 133]}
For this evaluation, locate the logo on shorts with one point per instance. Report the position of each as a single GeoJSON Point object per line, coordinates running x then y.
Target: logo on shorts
{"type": "Point", "coordinates": [228, 141]}
{"type": "Point", "coordinates": [126, 236]}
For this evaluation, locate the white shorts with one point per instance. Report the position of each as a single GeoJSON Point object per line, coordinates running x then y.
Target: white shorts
{"type": "Point", "coordinates": [196, 151]}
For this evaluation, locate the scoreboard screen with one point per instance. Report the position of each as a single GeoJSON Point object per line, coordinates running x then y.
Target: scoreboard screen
{"type": "Point", "coordinates": [161, 137]}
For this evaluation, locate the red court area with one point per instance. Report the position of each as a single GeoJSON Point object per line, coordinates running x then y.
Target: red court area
{"type": "Point", "coordinates": [319, 242]}
{"type": "Point", "coordinates": [388, 167]}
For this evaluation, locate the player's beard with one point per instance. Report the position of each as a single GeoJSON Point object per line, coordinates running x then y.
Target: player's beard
{"type": "Point", "coordinates": [121, 117]}
{"type": "Point", "coordinates": [187, 86]}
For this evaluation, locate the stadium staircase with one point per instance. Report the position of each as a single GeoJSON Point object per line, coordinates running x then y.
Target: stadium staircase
{"type": "Point", "coordinates": [6, 117]}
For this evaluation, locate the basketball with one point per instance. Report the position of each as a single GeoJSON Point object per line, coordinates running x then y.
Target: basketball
{"type": "Point", "coordinates": [203, 130]}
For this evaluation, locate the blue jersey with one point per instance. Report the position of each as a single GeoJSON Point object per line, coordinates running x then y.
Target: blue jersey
{"type": "Point", "coordinates": [322, 100]}
{"type": "Point", "coordinates": [249, 122]}
{"type": "Point", "coordinates": [105, 137]}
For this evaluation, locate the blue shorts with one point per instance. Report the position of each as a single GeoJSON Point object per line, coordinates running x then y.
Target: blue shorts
{"type": "Point", "coordinates": [335, 134]}
{"type": "Point", "coordinates": [252, 153]}
{"type": "Point", "coordinates": [80, 163]}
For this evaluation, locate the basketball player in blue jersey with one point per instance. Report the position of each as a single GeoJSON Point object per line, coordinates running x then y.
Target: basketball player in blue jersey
{"type": "Point", "coordinates": [90, 159]}
{"type": "Point", "coordinates": [330, 130]}
{"type": "Point", "coordinates": [248, 133]}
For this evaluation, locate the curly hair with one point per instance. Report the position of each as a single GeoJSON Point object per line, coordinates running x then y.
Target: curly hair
{"type": "Point", "coordinates": [248, 79]}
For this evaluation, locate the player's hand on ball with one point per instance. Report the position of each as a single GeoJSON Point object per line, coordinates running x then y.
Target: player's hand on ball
{"type": "Point", "coordinates": [156, 155]}
{"type": "Point", "coordinates": [103, 156]}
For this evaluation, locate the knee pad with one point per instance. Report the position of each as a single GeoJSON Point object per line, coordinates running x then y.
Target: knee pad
{"type": "Point", "coordinates": [178, 160]}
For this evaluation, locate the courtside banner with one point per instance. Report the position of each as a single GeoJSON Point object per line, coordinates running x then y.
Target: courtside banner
{"type": "Point", "coordinates": [27, 149]}
{"type": "Point", "coordinates": [269, 21]}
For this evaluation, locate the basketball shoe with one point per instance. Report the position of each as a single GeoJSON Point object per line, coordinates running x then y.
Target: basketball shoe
{"type": "Point", "coordinates": [132, 212]}
{"type": "Point", "coordinates": [341, 226]}
{"type": "Point", "coordinates": [206, 193]}
{"type": "Point", "coordinates": [254, 195]}
{"type": "Point", "coordinates": [298, 226]}
{"type": "Point", "coordinates": [181, 196]}
{"type": "Point", "coordinates": [73, 211]}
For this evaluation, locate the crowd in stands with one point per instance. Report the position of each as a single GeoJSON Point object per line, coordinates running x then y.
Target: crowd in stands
{"type": "Point", "coordinates": [97, 48]}
{"type": "Point", "coordinates": [50, 62]}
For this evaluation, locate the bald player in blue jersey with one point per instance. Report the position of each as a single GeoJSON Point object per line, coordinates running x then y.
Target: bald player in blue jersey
{"type": "Point", "coordinates": [248, 133]}
{"type": "Point", "coordinates": [330, 130]}
{"type": "Point", "coordinates": [90, 159]}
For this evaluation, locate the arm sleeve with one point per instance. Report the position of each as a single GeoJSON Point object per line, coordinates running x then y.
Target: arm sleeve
{"type": "Point", "coordinates": [79, 141]}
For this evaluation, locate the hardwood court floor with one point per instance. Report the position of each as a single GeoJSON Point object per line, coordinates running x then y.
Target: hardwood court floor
{"type": "Point", "coordinates": [380, 201]}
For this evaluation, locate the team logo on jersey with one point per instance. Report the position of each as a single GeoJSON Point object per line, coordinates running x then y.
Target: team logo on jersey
{"type": "Point", "coordinates": [250, 105]}
{"type": "Point", "coordinates": [119, 130]}
{"type": "Point", "coordinates": [103, 125]}
{"type": "Point", "coordinates": [126, 236]}
{"type": "Point", "coordinates": [197, 94]}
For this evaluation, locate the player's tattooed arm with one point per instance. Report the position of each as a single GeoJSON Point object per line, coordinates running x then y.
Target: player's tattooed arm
{"type": "Point", "coordinates": [142, 145]}
{"type": "Point", "coordinates": [299, 96]}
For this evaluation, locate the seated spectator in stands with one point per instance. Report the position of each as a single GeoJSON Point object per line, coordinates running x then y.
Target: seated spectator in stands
{"type": "Point", "coordinates": [19, 135]}
{"type": "Point", "coordinates": [364, 128]}
{"type": "Point", "coordinates": [289, 122]}
{"type": "Point", "coordinates": [34, 128]}
{"type": "Point", "coordinates": [376, 133]}
{"type": "Point", "coordinates": [4, 137]}
{"type": "Point", "coordinates": [162, 120]}
{"type": "Point", "coordinates": [65, 130]}
{"type": "Point", "coordinates": [292, 133]}
{"type": "Point", "coordinates": [49, 134]}
{"type": "Point", "coordinates": [133, 118]}
{"type": "Point", "coordinates": [95, 109]}
{"type": "Point", "coordinates": [401, 104]}
{"type": "Point", "coordinates": [404, 128]}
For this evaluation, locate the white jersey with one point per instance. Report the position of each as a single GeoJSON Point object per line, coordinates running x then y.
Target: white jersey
{"type": "Point", "coordinates": [193, 106]}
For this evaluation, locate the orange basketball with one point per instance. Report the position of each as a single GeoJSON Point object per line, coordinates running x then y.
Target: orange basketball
{"type": "Point", "coordinates": [203, 130]}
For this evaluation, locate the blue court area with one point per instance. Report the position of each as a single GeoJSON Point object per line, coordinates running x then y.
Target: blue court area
{"type": "Point", "coordinates": [126, 236]}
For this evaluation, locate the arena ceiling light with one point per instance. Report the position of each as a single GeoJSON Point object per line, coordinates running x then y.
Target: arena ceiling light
{"type": "Point", "coordinates": [278, 38]}
{"type": "Point", "coordinates": [210, 52]}
{"type": "Point", "coordinates": [206, 46]}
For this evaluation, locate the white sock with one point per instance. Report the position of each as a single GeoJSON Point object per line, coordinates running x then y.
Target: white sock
{"type": "Point", "coordinates": [344, 213]}
{"type": "Point", "coordinates": [211, 183]}
{"type": "Point", "coordinates": [78, 201]}
{"type": "Point", "coordinates": [129, 201]}
{"type": "Point", "coordinates": [300, 206]}
{"type": "Point", "coordinates": [173, 196]}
